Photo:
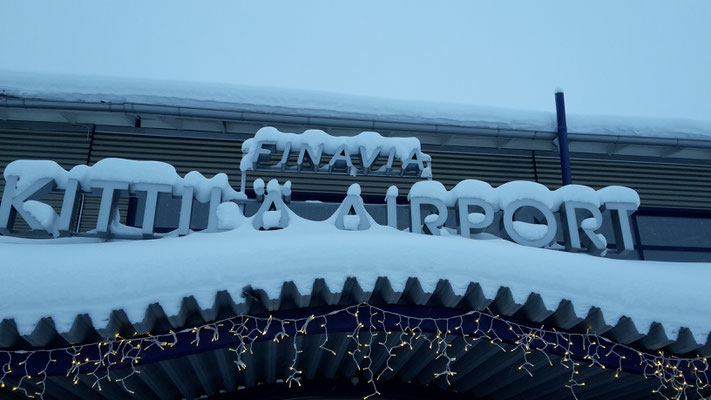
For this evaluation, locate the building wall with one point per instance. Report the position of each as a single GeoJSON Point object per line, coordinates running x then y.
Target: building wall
{"type": "Point", "coordinates": [673, 224]}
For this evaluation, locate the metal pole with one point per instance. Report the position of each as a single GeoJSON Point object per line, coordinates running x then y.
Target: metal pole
{"type": "Point", "coordinates": [563, 138]}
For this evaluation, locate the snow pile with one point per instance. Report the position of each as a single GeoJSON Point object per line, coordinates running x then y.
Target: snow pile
{"type": "Point", "coordinates": [273, 186]}
{"type": "Point", "coordinates": [38, 279]}
{"type": "Point", "coordinates": [229, 216]}
{"type": "Point", "coordinates": [329, 105]}
{"type": "Point", "coordinates": [271, 219]}
{"type": "Point", "coordinates": [122, 170]}
{"type": "Point", "coordinates": [351, 222]}
{"type": "Point", "coordinates": [117, 228]}
{"type": "Point", "coordinates": [258, 186]}
{"type": "Point", "coordinates": [475, 218]}
{"type": "Point", "coordinates": [43, 213]}
{"type": "Point", "coordinates": [392, 191]}
{"type": "Point", "coordinates": [530, 231]}
{"type": "Point", "coordinates": [519, 190]}
{"type": "Point", "coordinates": [354, 190]}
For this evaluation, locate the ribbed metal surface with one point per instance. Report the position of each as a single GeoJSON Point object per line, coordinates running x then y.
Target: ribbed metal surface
{"type": "Point", "coordinates": [658, 185]}
{"type": "Point", "coordinates": [66, 148]}
{"type": "Point", "coordinates": [482, 372]}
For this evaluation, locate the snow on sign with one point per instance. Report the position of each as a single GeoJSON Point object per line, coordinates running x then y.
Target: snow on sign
{"type": "Point", "coordinates": [317, 151]}
{"type": "Point", "coordinates": [526, 211]}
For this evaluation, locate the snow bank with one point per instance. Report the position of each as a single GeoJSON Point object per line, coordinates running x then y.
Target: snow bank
{"type": "Point", "coordinates": [42, 280]}
{"type": "Point", "coordinates": [329, 105]}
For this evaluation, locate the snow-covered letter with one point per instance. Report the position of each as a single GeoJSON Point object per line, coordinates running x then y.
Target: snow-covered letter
{"type": "Point", "coordinates": [351, 214]}
{"type": "Point", "coordinates": [576, 235]}
{"type": "Point", "coordinates": [13, 203]}
{"type": "Point", "coordinates": [273, 213]}
{"type": "Point", "coordinates": [528, 234]}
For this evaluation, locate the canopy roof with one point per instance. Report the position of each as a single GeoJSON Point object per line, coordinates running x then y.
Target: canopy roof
{"type": "Point", "coordinates": [63, 278]}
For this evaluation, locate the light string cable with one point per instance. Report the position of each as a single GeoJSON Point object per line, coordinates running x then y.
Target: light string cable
{"type": "Point", "coordinates": [377, 338]}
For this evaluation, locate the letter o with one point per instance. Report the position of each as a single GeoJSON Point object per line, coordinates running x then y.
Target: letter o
{"type": "Point", "coordinates": [511, 232]}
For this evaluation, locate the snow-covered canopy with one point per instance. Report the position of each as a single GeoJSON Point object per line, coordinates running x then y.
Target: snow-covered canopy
{"type": "Point", "coordinates": [61, 278]}
{"type": "Point", "coordinates": [323, 104]}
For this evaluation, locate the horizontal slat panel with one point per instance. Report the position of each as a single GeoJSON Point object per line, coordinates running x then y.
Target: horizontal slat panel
{"type": "Point", "coordinates": [66, 148]}
{"type": "Point", "coordinates": [659, 185]}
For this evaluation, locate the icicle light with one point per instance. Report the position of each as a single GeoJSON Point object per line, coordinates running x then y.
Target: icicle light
{"type": "Point", "coordinates": [368, 328]}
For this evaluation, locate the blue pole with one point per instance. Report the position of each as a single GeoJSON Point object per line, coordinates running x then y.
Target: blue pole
{"type": "Point", "coordinates": [563, 138]}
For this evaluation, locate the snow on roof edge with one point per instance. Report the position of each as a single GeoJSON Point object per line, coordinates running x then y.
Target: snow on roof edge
{"type": "Point", "coordinates": [325, 104]}
{"type": "Point", "coordinates": [134, 274]}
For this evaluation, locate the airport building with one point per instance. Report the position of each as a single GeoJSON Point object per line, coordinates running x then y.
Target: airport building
{"type": "Point", "coordinates": [126, 297]}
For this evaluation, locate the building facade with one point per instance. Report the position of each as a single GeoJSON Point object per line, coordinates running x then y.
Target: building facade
{"type": "Point", "coordinates": [671, 174]}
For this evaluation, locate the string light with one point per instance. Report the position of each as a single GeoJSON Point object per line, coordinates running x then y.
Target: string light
{"type": "Point", "coordinates": [372, 328]}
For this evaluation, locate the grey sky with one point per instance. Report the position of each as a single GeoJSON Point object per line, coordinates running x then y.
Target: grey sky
{"type": "Point", "coordinates": [632, 57]}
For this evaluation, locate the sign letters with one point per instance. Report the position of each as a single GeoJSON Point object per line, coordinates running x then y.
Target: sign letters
{"type": "Point", "coordinates": [523, 212]}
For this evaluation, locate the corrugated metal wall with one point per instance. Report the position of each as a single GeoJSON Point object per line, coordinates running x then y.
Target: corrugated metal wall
{"type": "Point", "coordinates": [659, 185]}
{"type": "Point", "coordinates": [66, 148]}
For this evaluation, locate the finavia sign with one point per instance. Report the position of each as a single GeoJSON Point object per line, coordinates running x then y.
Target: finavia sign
{"type": "Point", "coordinates": [524, 212]}
{"type": "Point", "coordinates": [367, 153]}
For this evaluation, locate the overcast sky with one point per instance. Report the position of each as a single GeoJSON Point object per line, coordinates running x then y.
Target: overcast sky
{"type": "Point", "coordinates": [632, 57]}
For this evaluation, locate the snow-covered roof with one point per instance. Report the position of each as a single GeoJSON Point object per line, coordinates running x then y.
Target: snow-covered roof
{"type": "Point", "coordinates": [62, 278]}
{"type": "Point", "coordinates": [330, 105]}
